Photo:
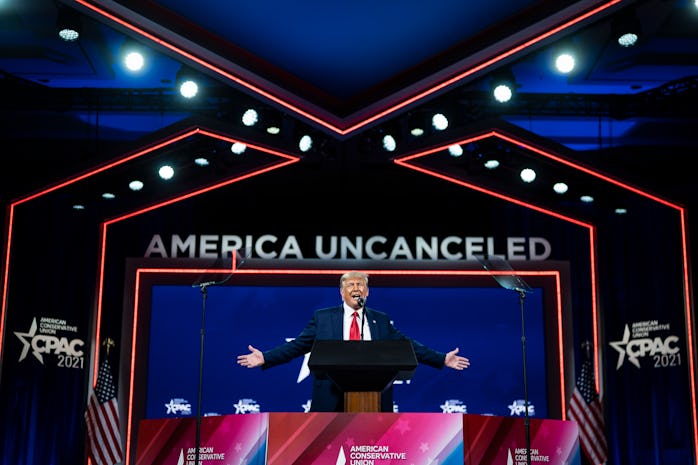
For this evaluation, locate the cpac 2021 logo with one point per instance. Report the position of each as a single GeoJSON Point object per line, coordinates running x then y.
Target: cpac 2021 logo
{"type": "Point", "coordinates": [663, 351]}
{"type": "Point", "coordinates": [42, 340]}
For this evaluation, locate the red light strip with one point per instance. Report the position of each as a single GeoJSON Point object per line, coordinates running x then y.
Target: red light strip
{"type": "Point", "coordinates": [290, 159]}
{"type": "Point", "coordinates": [323, 122]}
{"type": "Point", "coordinates": [103, 228]}
{"type": "Point", "coordinates": [688, 313]}
{"type": "Point", "coordinates": [140, 272]}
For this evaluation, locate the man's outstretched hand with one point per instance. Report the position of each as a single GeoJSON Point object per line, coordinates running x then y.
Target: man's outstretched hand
{"type": "Point", "coordinates": [255, 358]}
{"type": "Point", "coordinates": [453, 360]}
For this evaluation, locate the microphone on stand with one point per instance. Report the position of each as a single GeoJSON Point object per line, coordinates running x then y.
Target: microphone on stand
{"type": "Point", "coordinates": [362, 303]}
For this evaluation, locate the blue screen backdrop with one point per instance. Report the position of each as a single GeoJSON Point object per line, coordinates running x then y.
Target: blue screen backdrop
{"type": "Point", "coordinates": [485, 323]}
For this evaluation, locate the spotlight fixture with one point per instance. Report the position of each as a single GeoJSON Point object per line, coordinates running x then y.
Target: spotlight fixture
{"type": "Point", "coordinates": [68, 24]}
{"type": "Point", "coordinates": [417, 123]}
{"type": "Point", "coordinates": [626, 29]}
{"type": "Point", "coordinates": [238, 148]}
{"type": "Point", "coordinates": [565, 58]}
{"type": "Point", "coordinates": [186, 82]}
{"type": "Point", "coordinates": [133, 55]}
{"type": "Point", "coordinates": [560, 187]}
{"type": "Point", "coordinates": [166, 172]}
{"type": "Point", "coordinates": [305, 143]}
{"type": "Point", "coordinates": [135, 185]}
{"type": "Point", "coordinates": [503, 86]}
{"type": "Point", "coordinates": [250, 117]}
{"type": "Point", "coordinates": [565, 62]}
{"type": "Point", "coordinates": [389, 143]}
{"type": "Point", "coordinates": [439, 122]}
{"type": "Point", "coordinates": [527, 175]}
{"type": "Point", "coordinates": [456, 150]}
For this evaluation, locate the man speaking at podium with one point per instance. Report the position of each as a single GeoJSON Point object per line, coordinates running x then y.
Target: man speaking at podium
{"type": "Point", "coordinates": [351, 320]}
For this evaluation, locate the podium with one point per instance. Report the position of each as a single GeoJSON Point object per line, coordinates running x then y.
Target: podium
{"type": "Point", "coordinates": [362, 369]}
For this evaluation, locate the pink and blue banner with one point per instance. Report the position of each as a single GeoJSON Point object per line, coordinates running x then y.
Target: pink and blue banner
{"type": "Point", "coordinates": [223, 440]}
{"type": "Point", "coordinates": [365, 438]}
{"type": "Point", "coordinates": [356, 439]}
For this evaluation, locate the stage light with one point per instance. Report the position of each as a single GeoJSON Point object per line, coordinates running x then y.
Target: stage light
{"type": "Point", "coordinates": [503, 86]}
{"type": "Point", "coordinates": [439, 122]}
{"type": "Point", "coordinates": [186, 82]}
{"type": "Point", "coordinates": [305, 143]}
{"type": "Point", "coordinates": [68, 24]}
{"type": "Point", "coordinates": [492, 164]}
{"type": "Point", "coordinates": [108, 196]}
{"type": "Point", "coordinates": [134, 61]}
{"type": "Point", "coordinates": [560, 187]}
{"type": "Point", "coordinates": [135, 185]}
{"type": "Point", "coordinates": [455, 150]}
{"type": "Point", "coordinates": [626, 29]}
{"type": "Point", "coordinates": [166, 172]}
{"type": "Point", "coordinates": [527, 175]}
{"type": "Point", "coordinates": [565, 62]}
{"type": "Point", "coordinates": [621, 210]}
{"type": "Point", "coordinates": [389, 143]}
{"type": "Point", "coordinates": [238, 148]}
{"type": "Point", "coordinates": [586, 198]}
{"type": "Point", "coordinates": [250, 117]}
{"type": "Point", "coordinates": [133, 55]}
{"type": "Point", "coordinates": [201, 161]}
{"type": "Point", "coordinates": [188, 88]}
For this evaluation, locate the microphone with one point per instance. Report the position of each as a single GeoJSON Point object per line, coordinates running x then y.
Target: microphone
{"type": "Point", "coordinates": [362, 302]}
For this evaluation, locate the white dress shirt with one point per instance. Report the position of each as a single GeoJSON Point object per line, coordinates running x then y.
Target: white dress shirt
{"type": "Point", "coordinates": [348, 317]}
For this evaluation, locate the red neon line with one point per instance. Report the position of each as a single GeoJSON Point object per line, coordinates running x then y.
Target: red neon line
{"type": "Point", "coordinates": [291, 271]}
{"type": "Point", "coordinates": [689, 330]}
{"type": "Point", "coordinates": [584, 169]}
{"type": "Point", "coordinates": [100, 293]}
{"type": "Point", "coordinates": [493, 193]}
{"type": "Point", "coordinates": [560, 343]}
{"type": "Point", "coordinates": [391, 109]}
{"type": "Point", "coordinates": [594, 307]}
{"type": "Point", "coordinates": [256, 89]}
{"type": "Point", "coordinates": [6, 272]}
{"type": "Point", "coordinates": [106, 167]}
{"type": "Point", "coordinates": [132, 372]}
{"type": "Point", "coordinates": [199, 191]}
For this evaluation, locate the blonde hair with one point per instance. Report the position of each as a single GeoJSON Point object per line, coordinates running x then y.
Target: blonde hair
{"type": "Point", "coordinates": [353, 275]}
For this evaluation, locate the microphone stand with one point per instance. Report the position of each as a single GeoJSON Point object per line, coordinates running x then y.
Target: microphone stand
{"type": "Point", "coordinates": [527, 427]}
{"type": "Point", "coordinates": [204, 294]}
{"type": "Point", "coordinates": [513, 282]}
{"type": "Point", "coordinates": [197, 444]}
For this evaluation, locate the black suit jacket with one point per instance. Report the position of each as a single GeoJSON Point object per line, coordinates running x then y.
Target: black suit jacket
{"type": "Point", "coordinates": [328, 323]}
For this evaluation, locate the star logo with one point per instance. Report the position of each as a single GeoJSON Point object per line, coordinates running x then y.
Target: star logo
{"type": "Point", "coordinates": [620, 346]}
{"type": "Point", "coordinates": [341, 457]}
{"type": "Point", "coordinates": [27, 343]}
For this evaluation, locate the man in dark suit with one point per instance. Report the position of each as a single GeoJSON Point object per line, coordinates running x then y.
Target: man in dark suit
{"type": "Point", "coordinates": [335, 323]}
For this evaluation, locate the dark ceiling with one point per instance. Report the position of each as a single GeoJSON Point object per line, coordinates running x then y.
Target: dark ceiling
{"type": "Point", "coordinates": [348, 71]}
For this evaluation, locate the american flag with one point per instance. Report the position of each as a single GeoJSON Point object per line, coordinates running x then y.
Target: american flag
{"type": "Point", "coordinates": [587, 411]}
{"type": "Point", "coordinates": [102, 417]}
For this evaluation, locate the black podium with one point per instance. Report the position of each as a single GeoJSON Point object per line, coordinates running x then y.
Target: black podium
{"type": "Point", "coordinates": [362, 369]}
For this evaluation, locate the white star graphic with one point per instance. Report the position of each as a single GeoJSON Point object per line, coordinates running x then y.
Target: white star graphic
{"type": "Point", "coordinates": [26, 344]}
{"type": "Point", "coordinates": [620, 347]}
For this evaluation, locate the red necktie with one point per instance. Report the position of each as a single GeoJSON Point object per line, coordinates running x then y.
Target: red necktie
{"type": "Point", "coordinates": [354, 334]}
